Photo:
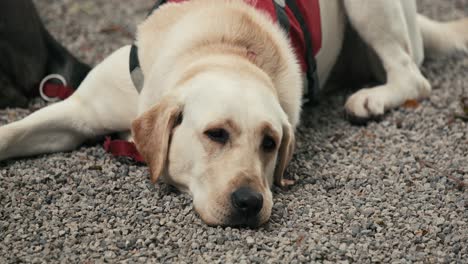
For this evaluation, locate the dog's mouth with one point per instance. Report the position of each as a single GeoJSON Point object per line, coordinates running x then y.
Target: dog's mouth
{"type": "Point", "coordinates": [236, 221]}
{"type": "Point", "coordinates": [242, 221]}
{"type": "Point", "coordinates": [230, 218]}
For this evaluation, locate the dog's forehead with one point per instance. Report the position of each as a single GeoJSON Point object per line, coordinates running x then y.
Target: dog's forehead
{"type": "Point", "coordinates": [247, 102]}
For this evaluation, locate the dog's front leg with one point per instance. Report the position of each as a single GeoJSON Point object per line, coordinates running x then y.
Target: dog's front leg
{"type": "Point", "coordinates": [385, 26]}
{"type": "Point", "coordinates": [105, 102]}
{"type": "Point", "coordinates": [54, 128]}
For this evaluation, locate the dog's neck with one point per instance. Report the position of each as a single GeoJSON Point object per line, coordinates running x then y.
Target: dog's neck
{"type": "Point", "coordinates": [227, 58]}
{"type": "Point", "coordinates": [227, 48]}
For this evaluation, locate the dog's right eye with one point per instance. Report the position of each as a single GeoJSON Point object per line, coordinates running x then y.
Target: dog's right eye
{"type": "Point", "coordinates": [218, 135]}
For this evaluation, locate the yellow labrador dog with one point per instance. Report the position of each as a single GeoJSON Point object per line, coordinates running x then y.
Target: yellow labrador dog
{"type": "Point", "coordinates": [222, 94]}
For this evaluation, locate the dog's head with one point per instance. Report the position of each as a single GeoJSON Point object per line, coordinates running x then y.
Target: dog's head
{"type": "Point", "coordinates": [225, 139]}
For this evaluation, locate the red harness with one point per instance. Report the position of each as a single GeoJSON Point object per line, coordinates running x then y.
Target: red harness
{"type": "Point", "coordinates": [52, 92]}
{"type": "Point", "coordinates": [59, 91]}
{"type": "Point", "coordinates": [122, 148]}
{"type": "Point", "coordinates": [300, 19]}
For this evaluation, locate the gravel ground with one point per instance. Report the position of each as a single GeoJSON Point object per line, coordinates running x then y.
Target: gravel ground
{"type": "Point", "coordinates": [388, 192]}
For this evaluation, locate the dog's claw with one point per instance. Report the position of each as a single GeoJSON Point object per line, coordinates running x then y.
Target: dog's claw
{"type": "Point", "coordinates": [361, 121]}
{"type": "Point", "coordinates": [287, 182]}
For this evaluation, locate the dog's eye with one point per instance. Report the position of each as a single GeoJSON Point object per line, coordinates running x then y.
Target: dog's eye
{"type": "Point", "coordinates": [218, 135]}
{"type": "Point", "coordinates": [268, 144]}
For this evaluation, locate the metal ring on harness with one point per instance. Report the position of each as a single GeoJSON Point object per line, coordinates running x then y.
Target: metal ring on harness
{"type": "Point", "coordinates": [45, 80]}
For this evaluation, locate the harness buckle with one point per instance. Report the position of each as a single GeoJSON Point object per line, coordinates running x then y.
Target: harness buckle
{"type": "Point", "coordinates": [45, 80]}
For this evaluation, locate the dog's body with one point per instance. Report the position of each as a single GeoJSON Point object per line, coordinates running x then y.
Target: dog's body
{"type": "Point", "coordinates": [216, 121]}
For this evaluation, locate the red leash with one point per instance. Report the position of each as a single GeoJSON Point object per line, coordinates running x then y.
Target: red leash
{"type": "Point", "coordinates": [122, 148]}
{"type": "Point", "coordinates": [52, 92]}
{"type": "Point", "coordinates": [60, 91]}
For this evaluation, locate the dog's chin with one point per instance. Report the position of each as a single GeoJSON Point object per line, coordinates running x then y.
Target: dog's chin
{"type": "Point", "coordinates": [228, 218]}
{"type": "Point", "coordinates": [231, 219]}
{"type": "Point", "coordinates": [236, 220]}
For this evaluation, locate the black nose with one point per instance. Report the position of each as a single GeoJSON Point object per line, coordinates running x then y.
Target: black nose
{"type": "Point", "coordinates": [247, 202]}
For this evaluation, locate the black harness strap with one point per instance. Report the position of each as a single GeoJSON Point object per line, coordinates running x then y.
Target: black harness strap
{"type": "Point", "coordinates": [312, 87]}
{"type": "Point", "coordinates": [135, 70]}
{"type": "Point", "coordinates": [283, 19]}
{"type": "Point", "coordinates": [156, 5]}
{"type": "Point", "coordinates": [134, 62]}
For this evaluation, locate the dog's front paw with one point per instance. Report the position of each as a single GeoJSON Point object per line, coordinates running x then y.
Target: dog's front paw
{"type": "Point", "coordinates": [364, 105]}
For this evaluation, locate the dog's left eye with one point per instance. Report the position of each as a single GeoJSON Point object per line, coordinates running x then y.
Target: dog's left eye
{"type": "Point", "coordinates": [268, 144]}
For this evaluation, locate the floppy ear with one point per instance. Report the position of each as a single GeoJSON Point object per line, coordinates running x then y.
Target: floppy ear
{"type": "Point", "coordinates": [152, 133]}
{"type": "Point", "coordinates": [285, 153]}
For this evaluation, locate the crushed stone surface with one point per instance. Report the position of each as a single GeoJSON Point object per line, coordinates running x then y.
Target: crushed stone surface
{"type": "Point", "coordinates": [387, 192]}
